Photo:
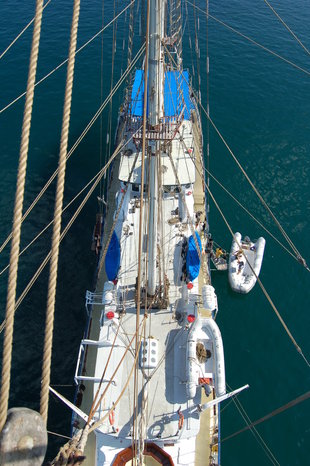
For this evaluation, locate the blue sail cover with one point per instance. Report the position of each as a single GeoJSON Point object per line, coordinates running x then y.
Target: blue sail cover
{"type": "Point", "coordinates": [192, 257]}
{"type": "Point", "coordinates": [173, 102]}
{"type": "Point", "coordinates": [113, 258]}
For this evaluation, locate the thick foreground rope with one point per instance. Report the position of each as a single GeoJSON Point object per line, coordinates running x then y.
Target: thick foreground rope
{"type": "Point", "coordinates": [47, 355]}
{"type": "Point", "coordinates": [16, 231]}
{"type": "Point", "coordinates": [72, 452]}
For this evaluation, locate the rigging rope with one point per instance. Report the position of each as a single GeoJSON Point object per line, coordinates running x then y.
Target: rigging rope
{"type": "Point", "coordinates": [261, 285]}
{"type": "Point", "coordinates": [285, 235]}
{"type": "Point", "coordinates": [102, 258]}
{"type": "Point", "coordinates": [252, 40]}
{"type": "Point", "coordinates": [17, 220]}
{"type": "Point", "coordinates": [254, 431]}
{"type": "Point", "coordinates": [51, 222]}
{"type": "Point", "coordinates": [77, 142]}
{"type": "Point", "coordinates": [72, 452]}
{"type": "Point", "coordinates": [51, 297]}
{"type": "Point", "coordinates": [21, 33]}
{"type": "Point", "coordinates": [277, 411]}
{"type": "Point", "coordinates": [101, 421]}
{"type": "Point", "coordinates": [258, 279]}
{"type": "Point", "coordinates": [109, 132]}
{"type": "Point", "coordinates": [144, 122]}
{"type": "Point", "coordinates": [58, 435]}
{"type": "Point", "coordinates": [190, 42]}
{"type": "Point", "coordinates": [66, 229]}
{"type": "Point", "coordinates": [197, 50]}
{"type": "Point", "coordinates": [65, 61]}
{"type": "Point", "coordinates": [300, 259]}
{"type": "Point", "coordinates": [94, 405]}
{"type": "Point", "coordinates": [101, 187]}
{"type": "Point", "coordinates": [250, 214]}
{"type": "Point", "coordinates": [288, 28]}
{"type": "Point", "coordinates": [239, 204]}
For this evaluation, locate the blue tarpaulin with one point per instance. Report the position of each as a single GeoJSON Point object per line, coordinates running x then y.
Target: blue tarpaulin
{"type": "Point", "coordinates": [113, 258]}
{"type": "Point", "coordinates": [192, 257]}
{"type": "Point", "coordinates": [173, 103]}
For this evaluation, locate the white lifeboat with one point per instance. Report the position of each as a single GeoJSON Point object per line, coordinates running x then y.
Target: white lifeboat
{"type": "Point", "coordinates": [245, 261]}
{"type": "Point", "coordinates": [205, 333]}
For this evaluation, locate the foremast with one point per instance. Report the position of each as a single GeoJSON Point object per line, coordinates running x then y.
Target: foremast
{"type": "Point", "coordinates": [156, 104]}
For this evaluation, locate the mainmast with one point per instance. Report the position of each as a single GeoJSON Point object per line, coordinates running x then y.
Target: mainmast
{"type": "Point", "coordinates": [156, 103]}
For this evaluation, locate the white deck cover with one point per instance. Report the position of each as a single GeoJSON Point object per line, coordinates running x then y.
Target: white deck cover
{"type": "Point", "coordinates": [180, 155]}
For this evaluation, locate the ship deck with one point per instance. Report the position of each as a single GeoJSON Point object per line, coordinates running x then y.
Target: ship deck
{"type": "Point", "coordinates": [166, 395]}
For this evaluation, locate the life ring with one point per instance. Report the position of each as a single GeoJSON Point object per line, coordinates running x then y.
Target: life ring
{"type": "Point", "coordinates": [112, 417]}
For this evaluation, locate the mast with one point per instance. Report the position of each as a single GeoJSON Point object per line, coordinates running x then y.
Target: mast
{"type": "Point", "coordinates": [155, 99]}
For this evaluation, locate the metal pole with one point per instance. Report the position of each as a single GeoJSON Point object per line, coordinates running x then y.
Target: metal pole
{"type": "Point", "coordinates": [155, 96]}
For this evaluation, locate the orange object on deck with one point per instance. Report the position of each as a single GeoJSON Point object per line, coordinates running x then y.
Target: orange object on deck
{"type": "Point", "coordinates": [150, 449]}
{"type": "Point", "coordinates": [204, 380]}
{"type": "Point", "coordinates": [112, 417]}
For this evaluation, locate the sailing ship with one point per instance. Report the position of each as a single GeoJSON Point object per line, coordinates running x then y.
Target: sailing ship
{"type": "Point", "coordinates": [150, 372]}
{"type": "Point", "coordinates": [152, 347]}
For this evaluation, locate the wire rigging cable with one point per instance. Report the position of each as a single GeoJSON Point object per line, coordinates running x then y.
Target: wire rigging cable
{"type": "Point", "coordinates": [299, 257]}
{"type": "Point", "coordinates": [51, 222]}
{"type": "Point", "coordinates": [288, 28]}
{"type": "Point", "coordinates": [109, 132]}
{"type": "Point", "coordinates": [144, 122]}
{"type": "Point", "coordinates": [262, 286]}
{"type": "Point", "coordinates": [259, 439]}
{"type": "Point", "coordinates": [21, 33]}
{"type": "Point", "coordinates": [277, 411]}
{"type": "Point", "coordinates": [101, 187]}
{"type": "Point", "coordinates": [65, 231]}
{"type": "Point", "coordinates": [65, 61]}
{"type": "Point", "coordinates": [250, 214]}
{"type": "Point", "coordinates": [77, 142]}
{"type": "Point", "coordinates": [251, 40]}
{"type": "Point", "coordinates": [258, 279]}
{"type": "Point", "coordinates": [17, 220]}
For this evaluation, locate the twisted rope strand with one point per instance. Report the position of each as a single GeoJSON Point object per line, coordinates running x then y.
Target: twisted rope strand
{"type": "Point", "coordinates": [47, 354]}
{"type": "Point", "coordinates": [18, 209]}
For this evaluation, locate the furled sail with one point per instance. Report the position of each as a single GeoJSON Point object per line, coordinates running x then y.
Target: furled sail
{"type": "Point", "coordinates": [192, 257]}
{"type": "Point", "coordinates": [113, 258]}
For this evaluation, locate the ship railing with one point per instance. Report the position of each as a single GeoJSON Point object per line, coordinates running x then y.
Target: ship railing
{"type": "Point", "coordinates": [78, 377]}
{"type": "Point", "coordinates": [92, 298]}
{"type": "Point", "coordinates": [166, 130]}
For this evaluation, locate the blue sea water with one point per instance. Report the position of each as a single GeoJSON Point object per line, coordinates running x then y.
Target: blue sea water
{"type": "Point", "coordinates": [261, 106]}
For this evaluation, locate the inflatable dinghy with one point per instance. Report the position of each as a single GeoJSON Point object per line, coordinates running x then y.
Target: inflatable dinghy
{"type": "Point", "coordinates": [245, 255]}
{"type": "Point", "coordinates": [205, 357]}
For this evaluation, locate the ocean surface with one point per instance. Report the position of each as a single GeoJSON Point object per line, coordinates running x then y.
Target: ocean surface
{"type": "Point", "coordinates": [261, 106]}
